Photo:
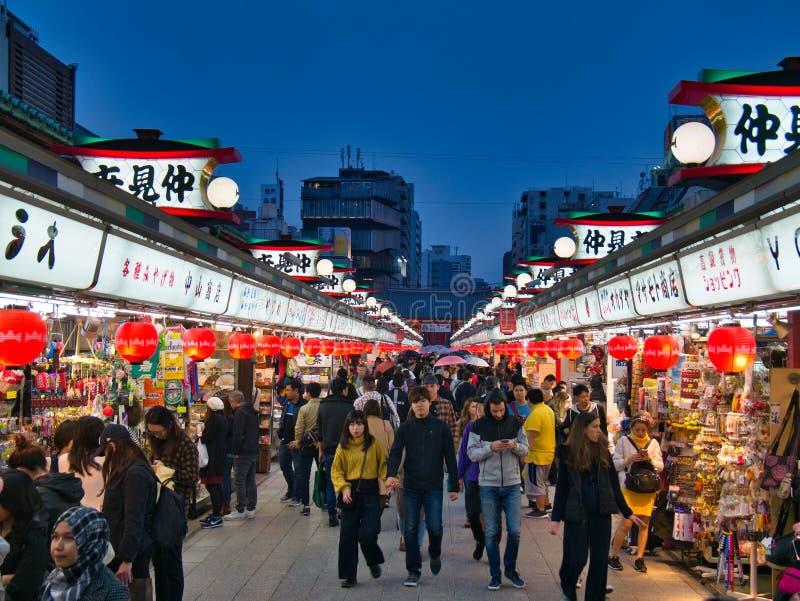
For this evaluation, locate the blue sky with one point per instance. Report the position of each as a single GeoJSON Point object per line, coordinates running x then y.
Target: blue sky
{"type": "Point", "coordinates": [473, 102]}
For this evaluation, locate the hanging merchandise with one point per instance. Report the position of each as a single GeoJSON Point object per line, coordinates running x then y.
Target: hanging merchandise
{"type": "Point", "coordinates": [23, 336]}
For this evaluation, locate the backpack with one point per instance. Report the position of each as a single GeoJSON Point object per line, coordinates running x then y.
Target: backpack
{"type": "Point", "coordinates": [642, 476]}
{"type": "Point", "coordinates": [169, 518]}
{"type": "Point", "coordinates": [386, 412]}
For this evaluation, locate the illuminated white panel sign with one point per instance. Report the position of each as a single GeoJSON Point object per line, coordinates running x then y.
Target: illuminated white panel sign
{"type": "Point", "coordinates": [658, 289]}
{"type": "Point", "coordinates": [248, 301]}
{"type": "Point", "coordinates": [596, 241]}
{"type": "Point", "coordinates": [568, 313]}
{"type": "Point", "coordinates": [782, 241]}
{"type": "Point", "coordinates": [616, 300]}
{"type": "Point", "coordinates": [588, 307]}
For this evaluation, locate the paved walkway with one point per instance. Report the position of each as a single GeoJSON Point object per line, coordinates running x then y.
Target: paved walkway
{"type": "Point", "coordinates": [284, 556]}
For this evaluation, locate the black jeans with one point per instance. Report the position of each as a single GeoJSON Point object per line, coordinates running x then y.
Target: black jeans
{"type": "Point", "coordinates": [168, 567]}
{"type": "Point", "coordinates": [472, 503]}
{"type": "Point", "coordinates": [215, 492]}
{"type": "Point", "coordinates": [591, 538]}
{"type": "Point", "coordinates": [360, 526]}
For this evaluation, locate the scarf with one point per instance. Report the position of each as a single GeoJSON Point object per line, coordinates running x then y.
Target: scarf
{"type": "Point", "coordinates": [641, 442]}
{"type": "Point", "coordinates": [90, 529]}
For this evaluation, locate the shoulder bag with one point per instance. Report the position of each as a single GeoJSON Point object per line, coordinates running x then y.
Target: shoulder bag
{"type": "Point", "coordinates": [353, 504]}
{"type": "Point", "coordinates": [777, 466]}
{"type": "Point", "coordinates": [641, 476]}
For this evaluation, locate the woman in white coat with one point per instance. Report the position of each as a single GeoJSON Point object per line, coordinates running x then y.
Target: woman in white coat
{"type": "Point", "coordinates": [636, 448]}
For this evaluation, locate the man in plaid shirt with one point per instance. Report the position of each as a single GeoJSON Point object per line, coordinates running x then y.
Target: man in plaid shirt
{"type": "Point", "coordinates": [442, 408]}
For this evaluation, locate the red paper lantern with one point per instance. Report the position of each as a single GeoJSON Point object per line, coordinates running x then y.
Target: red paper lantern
{"type": "Point", "coordinates": [136, 341]}
{"type": "Point", "coordinates": [269, 345]}
{"type": "Point", "coordinates": [23, 335]}
{"type": "Point", "coordinates": [242, 345]}
{"type": "Point", "coordinates": [311, 346]}
{"type": "Point", "coordinates": [516, 348]}
{"type": "Point", "coordinates": [530, 349]}
{"type": "Point", "coordinates": [731, 348]}
{"type": "Point", "coordinates": [623, 347]}
{"type": "Point", "coordinates": [326, 346]}
{"type": "Point", "coordinates": [553, 348]}
{"type": "Point", "coordinates": [199, 343]}
{"type": "Point", "coordinates": [661, 352]}
{"type": "Point", "coordinates": [338, 349]}
{"type": "Point", "coordinates": [290, 347]}
{"type": "Point", "coordinates": [572, 348]}
{"type": "Point", "coordinates": [356, 348]}
{"type": "Point", "coordinates": [368, 347]}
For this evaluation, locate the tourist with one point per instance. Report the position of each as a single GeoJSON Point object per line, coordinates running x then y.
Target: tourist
{"type": "Point", "coordinates": [214, 436]}
{"type": "Point", "coordinates": [82, 462]}
{"type": "Point", "coordinates": [305, 447]}
{"type": "Point", "coordinates": [331, 415]}
{"type": "Point", "coordinates": [540, 430]}
{"type": "Point", "coordinates": [245, 455]}
{"type": "Point", "coordinates": [287, 453]}
{"type": "Point", "coordinates": [468, 474]}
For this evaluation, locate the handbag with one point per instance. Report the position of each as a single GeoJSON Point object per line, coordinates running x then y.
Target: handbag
{"type": "Point", "coordinates": [789, 582]}
{"type": "Point", "coordinates": [784, 550]}
{"type": "Point", "coordinates": [642, 476]}
{"type": "Point", "coordinates": [202, 453]}
{"type": "Point", "coordinates": [318, 495]}
{"type": "Point", "coordinates": [353, 504]}
{"type": "Point", "coordinates": [777, 466]}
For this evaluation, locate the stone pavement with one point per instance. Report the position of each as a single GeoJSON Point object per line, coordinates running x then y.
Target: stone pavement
{"type": "Point", "coordinates": [284, 556]}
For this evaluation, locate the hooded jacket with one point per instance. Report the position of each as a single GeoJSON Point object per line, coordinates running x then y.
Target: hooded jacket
{"type": "Point", "coordinates": [59, 492]}
{"type": "Point", "coordinates": [595, 408]}
{"type": "Point", "coordinates": [497, 468]}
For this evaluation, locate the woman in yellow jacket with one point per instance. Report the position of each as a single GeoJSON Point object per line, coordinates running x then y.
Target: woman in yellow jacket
{"type": "Point", "coordinates": [358, 474]}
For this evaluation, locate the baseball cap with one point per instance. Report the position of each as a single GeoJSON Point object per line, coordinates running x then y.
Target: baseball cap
{"type": "Point", "coordinates": [111, 433]}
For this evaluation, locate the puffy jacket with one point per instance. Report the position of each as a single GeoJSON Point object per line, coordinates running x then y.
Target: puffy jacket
{"type": "Point", "coordinates": [59, 492]}
{"type": "Point", "coordinates": [497, 468]}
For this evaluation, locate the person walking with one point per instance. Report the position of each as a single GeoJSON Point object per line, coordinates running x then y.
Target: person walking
{"type": "Point", "coordinates": [306, 452]}
{"type": "Point", "coordinates": [440, 407]}
{"type": "Point", "coordinates": [582, 404]}
{"type": "Point", "coordinates": [25, 566]}
{"type": "Point", "coordinates": [633, 451]}
{"type": "Point", "coordinates": [379, 428]}
{"type": "Point", "coordinates": [331, 415]}
{"type": "Point", "coordinates": [388, 409]}
{"type": "Point", "coordinates": [428, 444]}
{"type": "Point", "coordinates": [292, 401]}
{"type": "Point", "coordinates": [399, 396]}
{"type": "Point", "coordinates": [62, 443]}
{"type": "Point", "coordinates": [245, 456]}
{"type": "Point", "coordinates": [82, 462]}
{"type": "Point", "coordinates": [587, 494]}
{"type": "Point", "coordinates": [358, 473]}
{"type": "Point", "coordinates": [518, 405]}
{"type": "Point", "coordinates": [228, 466]}
{"type": "Point", "coordinates": [214, 435]}
{"type": "Point", "coordinates": [129, 500]}
{"type": "Point", "coordinates": [468, 474]}
{"type": "Point", "coordinates": [497, 442]}
{"type": "Point", "coordinates": [540, 430]}
{"type": "Point", "coordinates": [78, 543]}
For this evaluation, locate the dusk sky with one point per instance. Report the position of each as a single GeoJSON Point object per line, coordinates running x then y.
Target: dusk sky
{"type": "Point", "coordinates": [472, 102]}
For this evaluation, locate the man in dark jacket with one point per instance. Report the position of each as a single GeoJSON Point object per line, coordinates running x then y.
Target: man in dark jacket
{"type": "Point", "coordinates": [462, 390]}
{"type": "Point", "coordinates": [427, 443]}
{"type": "Point", "coordinates": [331, 415]}
{"type": "Point", "coordinates": [59, 492]}
{"type": "Point", "coordinates": [245, 455]}
{"type": "Point", "coordinates": [582, 404]}
{"type": "Point", "coordinates": [293, 400]}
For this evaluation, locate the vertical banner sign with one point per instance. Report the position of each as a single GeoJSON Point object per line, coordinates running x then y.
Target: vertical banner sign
{"type": "Point", "coordinates": [508, 320]}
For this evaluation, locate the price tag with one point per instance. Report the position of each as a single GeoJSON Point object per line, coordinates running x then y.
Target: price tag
{"type": "Point", "coordinates": [11, 394]}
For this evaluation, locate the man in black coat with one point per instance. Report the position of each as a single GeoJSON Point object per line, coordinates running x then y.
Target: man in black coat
{"type": "Point", "coordinates": [331, 416]}
{"type": "Point", "coordinates": [245, 455]}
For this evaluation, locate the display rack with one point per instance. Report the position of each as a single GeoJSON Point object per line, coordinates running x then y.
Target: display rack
{"type": "Point", "coordinates": [264, 376]}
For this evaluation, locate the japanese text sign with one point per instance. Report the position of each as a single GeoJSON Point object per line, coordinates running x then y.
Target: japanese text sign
{"type": "Point", "coordinates": [781, 240]}
{"type": "Point", "coordinates": [588, 307]}
{"type": "Point", "coordinates": [658, 289]}
{"type": "Point", "coordinates": [616, 300]}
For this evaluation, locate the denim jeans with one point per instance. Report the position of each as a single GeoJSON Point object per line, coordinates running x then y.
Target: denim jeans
{"type": "Point", "coordinates": [246, 493]}
{"type": "Point", "coordinates": [330, 494]}
{"type": "Point", "coordinates": [226, 478]}
{"type": "Point", "coordinates": [493, 500]}
{"type": "Point", "coordinates": [432, 501]}
{"type": "Point", "coordinates": [302, 475]}
{"type": "Point", "coordinates": [286, 461]}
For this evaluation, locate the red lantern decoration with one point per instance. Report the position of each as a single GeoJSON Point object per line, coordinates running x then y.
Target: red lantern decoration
{"type": "Point", "coordinates": [623, 347]}
{"type": "Point", "coordinates": [731, 349]}
{"type": "Point", "coordinates": [311, 346]}
{"type": "Point", "coordinates": [553, 348]}
{"type": "Point", "coordinates": [326, 346]}
{"type": "Point", "coordinates": [108, 411]}
{"type": "Point", "coordinates": [530, 349]}
{"type": "Point", "coordinates": [136, 341]}
{"type": "Point", "coordinates": [356, 348]}
{"type": "Point", "coordinates": [290, 347]}
{"type": "Point", "coordinates": [516, 348]}
{"type": "Point", "coordinates": [242, 345]}
{"type": "Point", "coordinates": [368, 347]}
{"type": "Point", "coordinates": [338, 349]}
{"type": "Point", "coordinates": [572, 348]}
{"type": "Point", "coordinates": [23, 335]}
{"type": "Point", "coordinates": [199, 343]}
{"type": "Point", "coordinates": [269, 345]}
{"type": "Point", "coordinates": [661, 352]}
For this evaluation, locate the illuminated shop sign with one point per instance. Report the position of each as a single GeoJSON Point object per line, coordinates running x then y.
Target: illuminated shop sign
{"type": "Point", "coordinates": [568, 313]}
{"type": "Point", "coordinates": [297, 260]}
{"type": "Point", "coordinates": [616, 300]}
{"type": "Point", "coordinates": [658, 289]}
{"type": "Point", "coordinates": [596, 236]}
{"type": "Point", "coordinates": [588, 307]}
{"type": "Point", "coordinates": [781, 240]}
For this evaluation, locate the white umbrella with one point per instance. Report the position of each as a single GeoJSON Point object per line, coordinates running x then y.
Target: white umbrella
{"type": "Point", "coordinates": [476, 361]}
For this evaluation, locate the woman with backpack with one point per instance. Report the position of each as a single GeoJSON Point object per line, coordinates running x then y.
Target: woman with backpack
{"type": "Point", "coordinates": [129, 502]}
{"type": "Point", "coordinates": [639, 462]}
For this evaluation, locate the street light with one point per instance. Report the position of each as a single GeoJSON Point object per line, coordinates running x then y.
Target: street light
{"type": "Point", "coordinates": [693, 143]}
{"type": "Point", "coordinates": [371, 302]}
{"type": "Point", "coordinates": [565, 247]}
{"type": "Point", "coordinates": [510, 291]}
{"type": "Point", "coordinates": [524, 279]}
{"type": "Point", "coordinates": [349, 285]}
{"type": "Point", "coordinates": [496, 302]}
{"type": "Point", "coordinates": [222, 192]}
{"type": "Point", "coordinates": [324, 267]}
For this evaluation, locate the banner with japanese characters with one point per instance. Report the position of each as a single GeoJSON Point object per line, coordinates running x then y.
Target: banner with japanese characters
{"type": "Point", "coordinates": [248, 301]}
{"type": "Point", "coordinates": [546, 274]}
{"type": "Point", "coordinates": [658, 289]}
{"type": "Point", "coordinates": [298, 260]}
{"type": "Point", "coordinates": [734, 269]}
{"type": "Point", "coordinates": [588, 307]}
{"type": "Point", "coordinates": [45, 247]}
{"type": "Point", "coordinates": [616, 300]}
{"type": "Point", "coordinates": [568, 313]}
{"type": "Point", "coordinates": [599, 236]}
{"type": "Point", "coordinates": [131, 270]}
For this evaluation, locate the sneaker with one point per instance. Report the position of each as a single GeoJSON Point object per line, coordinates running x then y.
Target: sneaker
{"type": "Point", "coordinates": [235, 515]}
{"type": "Point", "coordinates": [213, 521]}
{"type": "Point", "coordinates": [478, 552]}
{"type": "Point", "coordinates": [494, 584]}
{"type": "Point", "coordinates": [285, 498]}
{"type": "Point", "coordinates": [306, 511]}
{"type": "Point", "coordinates": [348, 583]}
{"type": "Point", "coordinates": [411, 580]}
{"type": "Point", "coordinates": [250, 514]}
{"type": "Point", "coordinates": [295, 503]}
{"type": "Point", "coordinates": [333, 521]}
{"type": "Point", "coordinates": [609, 589]}
{"type": "Point", "coordinates": [639, 566]}
{"type": "Point", "coordinates": [436, 565]}
{"type": "Point", "coordinates": [615, 564]}
{"type": "Point", "coordinates": [515, 579]}
{"type": "Point", "coordinates": [536, 514]}
{"type": "Point", "coordinates": [375, 571]}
